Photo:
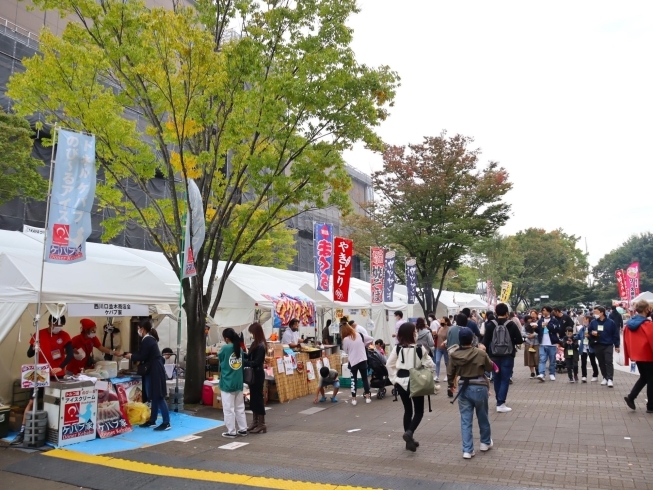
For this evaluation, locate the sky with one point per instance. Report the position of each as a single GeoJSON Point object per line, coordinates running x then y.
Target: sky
{"type": "Point", "coordinates": [558, 92]}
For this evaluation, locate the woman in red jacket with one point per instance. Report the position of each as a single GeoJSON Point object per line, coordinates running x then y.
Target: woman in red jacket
{"type": "Point", "coordinates": [638, 346]}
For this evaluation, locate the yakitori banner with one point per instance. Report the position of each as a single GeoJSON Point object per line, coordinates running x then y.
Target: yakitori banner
{"type": "Point", "coordinates": [342, 257]}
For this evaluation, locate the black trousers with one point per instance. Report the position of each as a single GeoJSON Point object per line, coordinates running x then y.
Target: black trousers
{"type": "Point", "coordinates": [413, 409]}
{"type": "Point", "coordinates": [645, 379]}
{"type": "Point", "coordinates": [256, 402]}
{"type": "Point", "coordinates": [583, 364]}
{"type": "Point", "coordinates": [572, 367]}
{"type": "Point", "coordinates": [604, 356]}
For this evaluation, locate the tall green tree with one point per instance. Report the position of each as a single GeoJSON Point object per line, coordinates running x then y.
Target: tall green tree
{"type": "Point", "coordinates": [434, 204]}
{"type": "Point", "coordinates": [537, 263]}
{"type": "Point", "coordinates": [258, 117]}
{"type": "Point", "coordinates": [19, 175]}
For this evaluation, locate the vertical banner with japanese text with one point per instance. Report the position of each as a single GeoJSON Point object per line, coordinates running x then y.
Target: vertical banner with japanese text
{"type": "Point", "coordinates": [322, 254]}
{"type": "Point", "coordinates": [343, 250]}
{"type": "Point", "coordinates": [632, 276]}
{"type": "Point", "coordinates": [71, 202]}
{"type": "Point", "coordinates": [620, 274]}
{"type": "Point", "coordinates": [506, 289]}
{"type": "Point", "coordinates": [411, 279]}
{"type": "Point", "coordinates": [389, 276]}
{"type": "Point", "coordinates": [377, 262]}
{"type": "Point", "coordinates": [195, 229]}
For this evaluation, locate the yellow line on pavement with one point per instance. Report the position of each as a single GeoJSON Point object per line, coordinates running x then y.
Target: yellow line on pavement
{"type": "Point", "coordinates": [190, 474]}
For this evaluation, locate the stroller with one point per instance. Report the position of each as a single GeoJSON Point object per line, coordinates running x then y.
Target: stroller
{"type": "Point", "coordinates": [561, 366]}
{"type": "Point", "coordinates": [379, 377]}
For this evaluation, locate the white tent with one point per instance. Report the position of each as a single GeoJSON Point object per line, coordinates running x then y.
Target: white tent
{"type": "Point", "coordinates": [647, 295]}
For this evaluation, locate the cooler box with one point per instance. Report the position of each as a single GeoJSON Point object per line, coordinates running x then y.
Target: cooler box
{"type": "Point", "coordinates": [207, 394]}
{"type": "Point", "coordinates": [72, 411]}
{"type": "Point", "coordinates": [4, 420]}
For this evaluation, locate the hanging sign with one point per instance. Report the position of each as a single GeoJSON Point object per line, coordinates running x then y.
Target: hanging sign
{"type": "Point", "coordinates": [377, 263]}
{"type": "Point", "coordinates": [71, 202]}
{"type": "Point", "coordinates": [411, 279]}
{"type": "Point", "coordinates": [30, 378]}
{"type": "Point", "coordinates": [342, 271]}
{"type": "Point", "coordinates": [322, 254]}
{"type": "Point", "coordinates": [108, 308]}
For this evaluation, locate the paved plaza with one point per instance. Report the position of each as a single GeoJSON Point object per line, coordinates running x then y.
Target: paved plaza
{"type": "Point", "coordinates": [559, 435]}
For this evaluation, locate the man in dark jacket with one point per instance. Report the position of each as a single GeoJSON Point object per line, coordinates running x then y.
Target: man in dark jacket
{"type": "Point", "coordinates": [548, 336]}
{"type": "Point", "coordinates": [471, 324]}
{"type": "Point", "coordinates": [604, 334]}
{"type": "Point", "coordinates": [564, 320]}
{"type": "Point", "coordinates": [505, 360]}
{"type": "Point", "coordinates": [616, 317]}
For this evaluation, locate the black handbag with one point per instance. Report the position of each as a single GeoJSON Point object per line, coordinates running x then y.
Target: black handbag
{"type": "Point", "coordinates": [143, 369]}
{"type": "Point", "coordinates": [248, 376]}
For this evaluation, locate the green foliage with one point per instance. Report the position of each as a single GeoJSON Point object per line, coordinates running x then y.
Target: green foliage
{"type": "Point", "coordinates": [638, 248]}
{"type": "Point", "coordinates": [536, 262]}
{"type": "Point", "coordinates": [258, 118]}
{"type": "Point", "coordinates": [464, 279]}
{"type": "Point", "coordinates": [19, 176]}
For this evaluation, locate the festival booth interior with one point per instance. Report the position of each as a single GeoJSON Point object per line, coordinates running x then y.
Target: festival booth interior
{"type": "Point", "coordinates": [85, 282]}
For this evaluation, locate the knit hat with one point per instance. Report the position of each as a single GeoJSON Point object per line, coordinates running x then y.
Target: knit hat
{"type": "Point", "coordinates": [465, 336]}
{"type": "Point", "coordinates": [87, 323]}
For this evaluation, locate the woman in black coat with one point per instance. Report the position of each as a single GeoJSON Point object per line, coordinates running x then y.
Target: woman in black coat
{"type": "Point", "coordinates": [255, 359]}
{"type": "Point", "coordinates": [150, 356]}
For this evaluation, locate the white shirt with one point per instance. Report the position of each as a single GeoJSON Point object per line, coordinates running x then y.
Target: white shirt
{"type": "Point", "coordinates": [435, 326]}
{"type": "Point", "coordinates": [290, 337]}
{"type": "Point", "coordinates": [546, 340]}
{"type": "Point", "coordinates": [355, 349]}
{"type": "Point", "coordinates": [361, 329]}
{"type": "Point", "coordinates": [400, 322]}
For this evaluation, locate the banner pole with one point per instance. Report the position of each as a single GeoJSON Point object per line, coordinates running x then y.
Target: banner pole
{"type": "Point", "coordinates": [181, 294]}
{"type": "Point", "coordinates": [37, 318]}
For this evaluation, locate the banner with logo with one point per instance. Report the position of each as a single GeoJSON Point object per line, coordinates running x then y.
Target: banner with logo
{"type": "Point", "coordinates": [411, 279]}
{"type": "Point", "coordinates": [342, 256]}
{"type": "Point", "coordinates": [377, 264]}
{"type": "Point", "coordinates": [389, 276]}
{"type": "Point", "coordinates": [506, 289]}
{"type": "Point", "coordinates": [632, 277]}
{"type": "Point", "coordinates": [621, 284]}
{"type": "Point", "coordinates": [322, 254]}
{"type": "Point", "coordinates": [195, 229]}
{"type": "Point", "coordinates": [287, 307]}
{"type": "Point", "coordinates": [71, 201]}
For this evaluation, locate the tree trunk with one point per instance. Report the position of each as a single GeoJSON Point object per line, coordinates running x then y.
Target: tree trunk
{"type": "Point", "coordinates": [196, 345]}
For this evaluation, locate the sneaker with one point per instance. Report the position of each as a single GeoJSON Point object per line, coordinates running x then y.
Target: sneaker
{"type": "Point", "coordinates": [572, 381]}
{"type": "Point", "coordinates": [353, 401]}
{"type": "Point", "coordinates": [163, 426]}
{"type": "Point", "coordinates": [487, 447]}
{"type": "Point", "coordinates": [594, 379]}
{"type": "Point", "coordinates": [532, 375]}
{"type": "Point", "coordinates": [322, 400]}
{"type": "Point", "coordinates": [469, 455]}
{"type": "Point", "coordinates": [552, 377]}
{"type": "Point", "coordinates": [503, 408]}
{"type": "Point", "coordinates": [242, 432]}
{"type": "Point", "coordinates": [147, 425]}
{"type": "Point", "coordinates": [510, 382]}
{"type": "Point", "coordinates": [229, 435]}
{"type": "Point", "coordinates": [583, 379]}
{"type": "Point", "coordinates": [437, 379]}
{"type": "Point", "coordinates": [576, 378]}
{"type": "Point", "coordinates": [630, 403]}
{"type": "Point", "coordinates": [18, 440]}
{"type": "Point", "coordinates": [610, 384]}
{"type": "Point", "coordinates": [604, 382]}
{"type": "Point", "coordinates": [334, 399]}
{"type": "Point", "coordinates": [368, 399]}
{"type": "Point", "coordinates": [541, 378]}
{"type": "Point", "coordinates": [410, 442]}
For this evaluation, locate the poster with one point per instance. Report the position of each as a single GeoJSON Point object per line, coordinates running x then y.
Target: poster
{"type": "Point", "coordinates": [28, 376]}
{"type": "Point", "coordinates": [339, 313]}
{"type": "Point", "coordinates": [79, 415]}
{"type": "Point", "coordinates": [325, 362]}
{"type": "Point", "coordinates": [389, 276]}
{"type": "Point", "coordinates": [111, 419]}
{"type": "Point", "coordinates": [322, 254]}
{"type": "Point", "coordinates": [129, 391]}
{"type": "Point", "coordinates": [411, 280]}
{"type": "Point", "coordinates": [287, 307]}
{"type": "Point", "coordinates": [343, 251]}
{"type": "Point", "coordinates": [288, 364]}
{"type": "Point", "coordinates": [377, 264]}
{"type": "Point", "coordinates": [280, 367]}
{"type": "Point", "coordinates": [309, 371]}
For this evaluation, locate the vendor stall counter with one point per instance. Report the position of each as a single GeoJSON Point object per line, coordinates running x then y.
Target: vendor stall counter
{"type": "Point", "coordinates": [72, 411]}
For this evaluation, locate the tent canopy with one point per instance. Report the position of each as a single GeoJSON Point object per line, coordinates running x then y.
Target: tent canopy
{"type": "Point", "coordinates": [647, 295]}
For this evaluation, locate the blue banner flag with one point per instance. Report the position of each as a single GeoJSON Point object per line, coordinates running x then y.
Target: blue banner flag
{"type": "Point", "coordinates": [389, 278]}
{"type": "Point", "coordinates": [323, 254]}
{"type": "Point", "coordinates": [71, 202]}
{"type": "Point", "coordinates": [411, 280]}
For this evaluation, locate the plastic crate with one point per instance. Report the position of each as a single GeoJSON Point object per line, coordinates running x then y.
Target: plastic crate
{"type": "Point", "coordinates": [346, 382]}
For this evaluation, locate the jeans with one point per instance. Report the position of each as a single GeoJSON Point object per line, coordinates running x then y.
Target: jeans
{"type": "Point", "coordinates": [583, 364]}
{"type": "Point", "coordinates": [572, 367]}
{"type": "Point", "coordinates": [645, 379]}
{"type": "Point", "coordinates": [474, 398]}
{"type": "Point", "coordinates": [412, 418]}
{"type": "Point", "coordinates": [439, 354]}
{"type": "Point", "coordinates": [160, 404]}
{"type": "Point", "coordinates": [361, 368]}
{"type": "Point", "coordinates": [604, 356]}
{"type": "Point", "coordinates": [548, 352]}
{"type": "Point", "coordinates": [502, 378]}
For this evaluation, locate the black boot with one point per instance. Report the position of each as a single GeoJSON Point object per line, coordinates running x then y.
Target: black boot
{"type": "Point", "coordinates": [410, 442]}
{"type": "Point", "coordinates": [18, 440]}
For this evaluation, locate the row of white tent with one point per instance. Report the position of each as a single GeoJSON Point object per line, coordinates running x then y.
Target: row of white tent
{"type": "Point", "coordinates": [123, 275]}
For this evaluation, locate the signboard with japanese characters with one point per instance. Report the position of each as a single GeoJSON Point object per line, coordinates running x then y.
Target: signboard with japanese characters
{"type": "Point", "coordinates": [108, 308]}
{"type": "Point", "coordinates": [377, 263]}
{"type": "Point", "coordinates": [621, 284]}
{"type": "Point", "coordinates": [73, 191]}
{"type": "Point", "coordinates": [111, 419]}
{"type": "Point", "coordinates": [29, 376]}
{"type": "Point", "coordinates": [77, 419]}
{"type": "Point", "coordinates": [632, 280]}
{"type": "Point", "coordinates": [343, 251]}
{"type": "Point", "coordinates": [323, 254]}
{"type": "Point", "coordinates": [411, 280]}
{"type": "Point", "coordinates": [389, 276]}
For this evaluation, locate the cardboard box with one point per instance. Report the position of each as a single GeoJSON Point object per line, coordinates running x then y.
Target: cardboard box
{"type": "Point", "coordinates": [217, 397]}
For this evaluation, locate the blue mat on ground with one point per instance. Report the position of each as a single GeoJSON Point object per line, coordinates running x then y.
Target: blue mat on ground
{"type": "Point", "coordinates": [182, 425]}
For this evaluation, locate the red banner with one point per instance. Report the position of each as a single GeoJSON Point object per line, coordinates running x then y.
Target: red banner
{"type": "Point", "coordinates": [632, 278]}
{"type": "Point", "coordinates": [343, 250]}
{"type": "Point", "coordinates": [621, 284]}
{"type": "Point", "coordinates": [377, 271]}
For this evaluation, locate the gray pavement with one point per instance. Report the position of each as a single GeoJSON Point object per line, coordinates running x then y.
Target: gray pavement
{"type": "Point", "coordinates": [559, 435]}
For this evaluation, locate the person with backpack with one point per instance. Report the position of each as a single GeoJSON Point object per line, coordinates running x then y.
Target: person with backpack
{"type": "Point", "coordinates": [406, 355]}
{"type": "Point", "coordinates": [501, 337]}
